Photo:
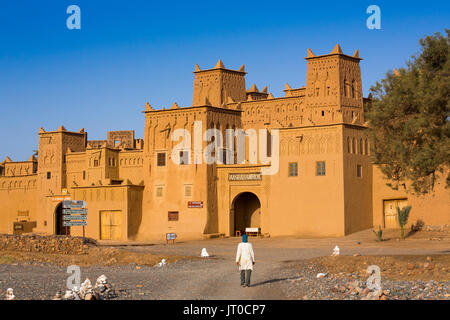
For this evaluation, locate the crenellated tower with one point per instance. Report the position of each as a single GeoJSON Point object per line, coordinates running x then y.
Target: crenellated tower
{"type": "Point", "coordinates": [218, 86]}
{"type": "Point", "coordinates": [333, 88]}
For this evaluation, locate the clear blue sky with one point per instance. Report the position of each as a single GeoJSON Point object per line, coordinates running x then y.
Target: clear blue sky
{"type": "Point", "coordinates": [130, 52]}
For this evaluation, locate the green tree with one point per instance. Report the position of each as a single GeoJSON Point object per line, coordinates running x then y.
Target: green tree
{"type": "Point", "coordinates": [403, 215]}
{"type": "Point", "coordinates": [408, 114]}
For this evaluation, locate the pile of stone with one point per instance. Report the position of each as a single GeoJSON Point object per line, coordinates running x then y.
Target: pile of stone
{"type": "Point", "coordinates": [162, 263]}
{"type": "Point", "coordinates": [357, 289]}
{"type": "Point", "coordinates": [45, 244]}
{"type": "Point", "coordinates": [102, 290]}
{"type": "Point", "coordinates": [10, 294]}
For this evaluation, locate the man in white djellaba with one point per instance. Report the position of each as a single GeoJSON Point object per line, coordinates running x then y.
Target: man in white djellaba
{"type": "Point", "coordinates": [245, 259]}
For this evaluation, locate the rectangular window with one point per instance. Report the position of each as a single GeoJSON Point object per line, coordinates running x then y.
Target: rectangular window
{"type": "Point", "coordinates": [173, 215]}
{"type": "Point", "coordinates": [359, 171]}
{"type": "Point", "coordinates": [159, 191]}
{"type": "Point", "coordinates": [224, 156]}
{"type": "Point", "coordinates": [84, 175]}
{"type": "Point", "coordinates": [49, 175]}
{"type": "Point", "coordinates": [96, 163]}
{"type": "Point", "coordinates": [320, 168]}
{"type": "Point", "coordinates": [161, 160]}
{"type": "Point", "coordinates": [293, 169]}
{"type": "Point", "coordinates": [184, 157]}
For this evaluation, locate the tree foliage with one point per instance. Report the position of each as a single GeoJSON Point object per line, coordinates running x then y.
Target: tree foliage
{"type": "Point", "coordinates": [408, 116]}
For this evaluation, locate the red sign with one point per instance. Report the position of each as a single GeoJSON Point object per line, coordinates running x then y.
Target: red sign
{"type": "Point", "coordinates": [195, 204]}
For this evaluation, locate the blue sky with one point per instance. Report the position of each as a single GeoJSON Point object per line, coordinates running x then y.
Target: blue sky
{"type": "Point", "coordinates": [130, 52]}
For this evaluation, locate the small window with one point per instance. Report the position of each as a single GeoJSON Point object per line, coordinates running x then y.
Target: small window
{"type": "Point", "coordinates": [173, 216]}
{"type": "Point", "coordinates": [320, 168]}
{"type": "Point", "coordinates": [49, 175]}
{"type": "Point", "coordinates": [161, 160]}
{"type": "Point", "coordinates": [293, 169]}
{"type": "Point", "coordinates": [184, 157]}
{"type": "Point", "coordinates": [359, 171]}
{"type": "Point", "coordinates": [96, 164]}
{"type": "Point", "coordinates": [84, 175]}
{"type": "Point", "coordinates": [159, 192]}
{"type": "Point", "coordinates": [323, 113]}
{"type": "Point", "coordinates": [187, 190]}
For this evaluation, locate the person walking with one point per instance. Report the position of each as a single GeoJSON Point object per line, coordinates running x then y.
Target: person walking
{"type": "Point", "coordinates": [245, 259]}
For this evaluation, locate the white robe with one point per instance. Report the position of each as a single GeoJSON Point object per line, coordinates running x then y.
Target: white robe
{"type": "Point", "coordinates": [245, 256]}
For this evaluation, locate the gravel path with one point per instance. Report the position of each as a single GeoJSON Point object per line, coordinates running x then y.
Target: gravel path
{"type": "Point", "coordinates": [280, 273]}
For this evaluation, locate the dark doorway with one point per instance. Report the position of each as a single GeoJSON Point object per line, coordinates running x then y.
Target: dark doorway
{"type": "Point", "coordinates": [247, 212]}
{"type": "Point", "coordinates": [59, 228]}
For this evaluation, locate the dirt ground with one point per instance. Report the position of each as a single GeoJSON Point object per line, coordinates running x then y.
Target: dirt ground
{"type": "Point", "coordinates": [97, 256]}
{"type": "Point", "coordinates": [286, 268]}
{"type": "Point", "coordinates": [399, 267]}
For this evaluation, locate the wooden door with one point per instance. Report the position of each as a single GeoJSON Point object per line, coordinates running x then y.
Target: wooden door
{"type": "Point", "coordinates": [111, 225]}
{"type": "Point", "coordinates": [390, 212]}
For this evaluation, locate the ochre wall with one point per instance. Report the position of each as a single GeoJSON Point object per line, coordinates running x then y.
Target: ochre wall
{"type": "Point", "coordinates": [432, 209]}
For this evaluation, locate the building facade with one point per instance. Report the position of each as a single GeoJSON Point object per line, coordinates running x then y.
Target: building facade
{"type": "Point", "coordinates": [324, 183]}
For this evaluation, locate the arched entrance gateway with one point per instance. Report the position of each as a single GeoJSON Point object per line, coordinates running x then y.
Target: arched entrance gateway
{"type": "Point", "coordinates": [246, 212]}
{"type": "Point", "coordinates": [59, 228]}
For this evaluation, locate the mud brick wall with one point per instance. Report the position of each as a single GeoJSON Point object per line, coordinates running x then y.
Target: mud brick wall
{"type": "Point", "coordinates": [45, 244]}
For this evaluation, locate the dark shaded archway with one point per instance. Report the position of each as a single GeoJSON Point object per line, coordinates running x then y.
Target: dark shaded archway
{"type": "Point", "coordinates": [59, 228]}
{"type": "Point", "coordinates": [246, 209]}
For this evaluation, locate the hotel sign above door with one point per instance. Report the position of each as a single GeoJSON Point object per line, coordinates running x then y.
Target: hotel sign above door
{"type": "Point", "coordinates": [256, 176]}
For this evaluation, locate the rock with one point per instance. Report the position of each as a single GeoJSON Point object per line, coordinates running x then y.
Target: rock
{"type": "Point", "coordinates": [429, 259]}
{"type": "Point", "coordinates": [386, 292]}
{"type": "Point", "coordinates": [10, 294]}
{"type": "Point", "coordinates": [89, 296]}
{"type": "Point", "coordinates": [430, 266]}
{"type": "Point", "coordinates": [365, 291]}
{"type": "Point", "coordinates": [336, 251]}
{"type": "Point", "coordinates": [204, 253]}
{"type": "Point", "coordinates": [411, 266]}
{"type": "Point", "coordinates": [357, 255]}
{"type": "Point", "coordinates": [321, 275]}
{"type": "Point", "coordinates": [383, 297]}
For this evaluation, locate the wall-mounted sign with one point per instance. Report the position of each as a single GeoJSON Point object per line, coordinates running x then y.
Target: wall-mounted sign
{"type": "Point", "coordinates": [195, 204]}
{"type": "Point", "coordinates": [61, 198]}
{"type": "Point", "coordinates": [245, 176]}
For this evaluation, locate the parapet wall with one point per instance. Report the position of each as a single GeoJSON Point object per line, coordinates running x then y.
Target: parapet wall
{"type": "Point", "coordinates": [45, 244]}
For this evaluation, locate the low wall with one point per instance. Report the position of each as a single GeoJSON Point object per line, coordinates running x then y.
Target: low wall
{"type": "Point", "coordinates": [45, 244]}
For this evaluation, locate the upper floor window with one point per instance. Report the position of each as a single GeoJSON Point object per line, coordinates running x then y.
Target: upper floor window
{"type": "Point", "coordinates": [161, 159]}
{"type": "Point", "coordinates": [320, 168]}
{"type": "Point", "coordinates": [293, 169]}
{"type": "Point", "coordinates": [359, 171]}
{"type": "Point", "coordinates": [96, 163]}
{"type": "Point", "coordinates": [49, 175]}
{"type": "Point", "coordinates": [184, 157]}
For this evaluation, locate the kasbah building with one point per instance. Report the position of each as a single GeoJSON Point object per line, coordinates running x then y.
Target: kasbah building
{"type": "Point", "coordinates": [326, 185]}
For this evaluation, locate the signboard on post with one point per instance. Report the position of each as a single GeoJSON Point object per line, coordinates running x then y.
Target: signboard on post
{"type": "Point", "coordinates": [74, 214]}
{"type": "Point", "coordinates": [171, 237]}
